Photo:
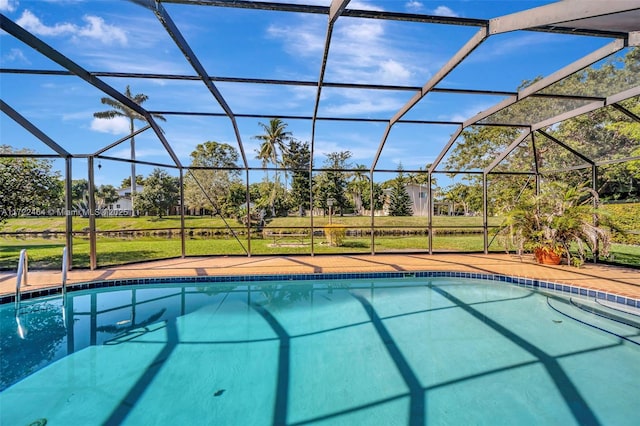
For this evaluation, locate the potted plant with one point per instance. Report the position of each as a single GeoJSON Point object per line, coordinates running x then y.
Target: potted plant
{"type": "Point", "coordinates": [561, 221]}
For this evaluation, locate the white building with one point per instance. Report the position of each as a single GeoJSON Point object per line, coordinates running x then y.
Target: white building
{"type": "Point", "coordinates": [419, 196]}
{"type": "Point", "coordinates": [123, 206]}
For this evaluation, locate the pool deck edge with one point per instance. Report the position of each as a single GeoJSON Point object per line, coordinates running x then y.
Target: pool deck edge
{"type": "Point", "coordinates": [615, 280]}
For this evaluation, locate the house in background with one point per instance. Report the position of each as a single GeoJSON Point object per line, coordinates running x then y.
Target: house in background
{"type": "Point", "coordinates": [123, 206]}
{"type": "Point", "coordinates": [419, 196]}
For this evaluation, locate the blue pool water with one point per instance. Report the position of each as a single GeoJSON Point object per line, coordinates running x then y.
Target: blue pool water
{"type": "Point", "coordinates": [402, 351]}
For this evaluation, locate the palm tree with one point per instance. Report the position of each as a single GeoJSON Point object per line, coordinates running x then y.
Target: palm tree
{"type": "Point", "coordinates": [274, 139]}
{"type": "Point", "coordinates": [359, 179]}
{"type": "Point", "coordinates": [121, 110]}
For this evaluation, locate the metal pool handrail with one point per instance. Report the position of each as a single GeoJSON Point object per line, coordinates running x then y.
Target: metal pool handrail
{"type": "Point", "coordinates": [23, 266]}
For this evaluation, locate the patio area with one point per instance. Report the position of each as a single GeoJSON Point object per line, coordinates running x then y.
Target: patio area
{"type": "Point", "coordinates": [612, 279]}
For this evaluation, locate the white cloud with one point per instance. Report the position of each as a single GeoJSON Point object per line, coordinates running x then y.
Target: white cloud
{"type": "Point", "coordinates": [444, 11]}
{"type": "Point", "coordinates": [363, 6]}
{"type": "Point", "coordinates": [414, 6]}
{"type": "Point", "coordinates": [115, 126]}
{"type": "Point", "coordinates": [15, 55]}
{"type": "Point", "coordinates": [391, 71]}
{"type": "Point", "coordinates": [98, 30]}
{"type": "Point", "coordinates": [31, 22]}
{"type": "Point", "coordinates": [94, 29]}
{"type": "Point", "coordinates": [8, 5]}
{"type": "Point", "coordinates": [304, 40]}
{"type": "Point", "coordinates": [362, 52]}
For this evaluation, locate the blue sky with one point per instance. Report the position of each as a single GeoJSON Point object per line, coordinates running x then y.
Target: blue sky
{"type": "Point", "coordinates": [121, 36]}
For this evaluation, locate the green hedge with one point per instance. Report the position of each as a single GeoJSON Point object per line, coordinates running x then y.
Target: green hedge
{"type": "Point", "coordinates": [627, 218]}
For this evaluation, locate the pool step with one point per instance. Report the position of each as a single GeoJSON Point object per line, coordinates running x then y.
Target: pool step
{"type": "Point", "coordinates": [620, 322]}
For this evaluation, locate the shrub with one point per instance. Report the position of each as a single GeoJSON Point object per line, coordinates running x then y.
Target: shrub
{"type": "Point", "coordinates": [335, 233]}
{"type": "Point", "coordinates": [627, 221]}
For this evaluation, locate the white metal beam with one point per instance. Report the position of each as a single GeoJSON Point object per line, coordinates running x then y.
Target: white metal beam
{"type": "Point", "coordinates": [336, 8]}
{"type": "Point", "coordinates": [559, 13]}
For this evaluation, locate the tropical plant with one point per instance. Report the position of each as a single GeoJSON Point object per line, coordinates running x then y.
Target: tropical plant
{"type": "Point", "coordinates": [358, 185]}
{"type": "Point", "coordinates": [560, 218]}
{"type": "Point", "coordinates": [121, 110]}
{"type": "Point", "coordinates": [106, 194]}
{"type": "Point", "coordinates": [273, 146]}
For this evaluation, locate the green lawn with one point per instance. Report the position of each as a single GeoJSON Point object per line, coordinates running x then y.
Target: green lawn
{"type": "Point", "coordinates": [80, 224]}
{"type": "Point", "coordinates": [57, 224]}
{"type": "Point", "coordinates": [208, 236]}
{"type": "Point", "coordinates": [47, 252]}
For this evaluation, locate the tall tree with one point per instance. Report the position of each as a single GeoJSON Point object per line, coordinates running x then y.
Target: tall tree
{"type": "Point", "coordinates": [28, 186]}
{"type": "Point", "coordinates": [272, 147]}
{"type": "Point", "coordinates": [297, 159]}
{"type": "Point", "coordinates": [121, 110]}
{"type": "Point", "coordinates": [106, 194]}
{"type": "Point", "coordinates": [399, 200]}
{"type": "Point", "coordinates": [160, 193]}
{"type": "Point", "coordinates": [127, 181]}
{"type": "Point", "coordinates": [469, 197]}
{"type": "Point", "coordinates": [79, 189]}
{"type": "Point", "coordinates": [358, 185]}
{"type": "Point", "coordinates": [603, 134]}
{"type": "Point", "coordinates": [332, 182]}
{"type": "Point", "coordinates": [378, 197]}
{"type": "Point", "coordinates": [273, 141]}
{"type": "Point", "coordinates": [213, 170]}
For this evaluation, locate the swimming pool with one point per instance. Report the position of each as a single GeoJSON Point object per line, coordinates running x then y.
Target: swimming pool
{"type": "Point", "coordinates": [395, 349]}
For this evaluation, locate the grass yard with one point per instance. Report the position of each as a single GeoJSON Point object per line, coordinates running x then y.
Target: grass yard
{"type": "Point", "coordinates": [80, 224]}
{"type": "Point", "coordinates": [46, 253]}
{"type": "Point", "coordinates": [147, 223]}
{"type": "Point", "coordinates": [150, 238]}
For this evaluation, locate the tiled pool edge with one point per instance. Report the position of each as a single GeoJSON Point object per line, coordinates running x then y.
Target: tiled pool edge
{"type": "Point", "coordinates": [519, 281]}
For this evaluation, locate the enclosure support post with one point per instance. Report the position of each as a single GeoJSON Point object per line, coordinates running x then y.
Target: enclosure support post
{"type": "Point", "coordinates": [311, 203]}
{"type": "Point", "coordinates": [485, 220]}
{"type": "Point", "coordinates": [373, 209]}
{"type": "Point", "coordinates": [92, 217]}
{"type": "Point", "coordinates": [68, 231]}
{"type": "Point", "coordinates": [430, 214]}
{"type": "Point", "coordinates": [594, 186]}
{"type": "Point", "coordinates": [248, 201]}
{"type": "Point", "coordinates": [183, 248]}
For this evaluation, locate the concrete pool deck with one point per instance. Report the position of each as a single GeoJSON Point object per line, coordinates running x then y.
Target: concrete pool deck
{"type": "Point", "coordinates": [612, 279]}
